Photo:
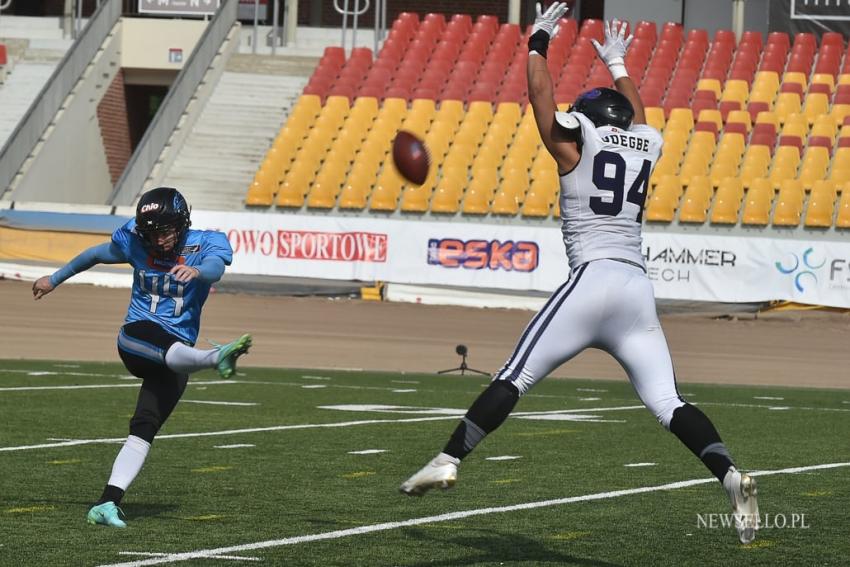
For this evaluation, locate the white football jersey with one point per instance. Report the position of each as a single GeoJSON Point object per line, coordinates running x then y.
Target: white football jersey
{"type": "Point", "coordinates": [602, 197]}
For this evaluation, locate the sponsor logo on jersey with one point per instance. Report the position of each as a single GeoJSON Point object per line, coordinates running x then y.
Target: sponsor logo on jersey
{"type": "Point", "coordinates": [311, 245]}
{"type": "Point", "coordinates": [510, 256]}
{"type": "Point", "coordinates": [191, 249]}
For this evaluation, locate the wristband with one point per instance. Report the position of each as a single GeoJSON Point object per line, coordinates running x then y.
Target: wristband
{"type": "Point", "coordinates": [617, 67]}
{"type": "Point", "coordinates": [539, 43]}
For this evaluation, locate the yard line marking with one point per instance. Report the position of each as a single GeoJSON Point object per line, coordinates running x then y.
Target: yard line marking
{"type": "Point", "coordinates": [640, 464]}
{"type": "Point", "coordinates": [66, 366]}
{"type": "Point", "coordinates": [734, 405]}
{"type": "Point", "coordinates": [589, 390]}
{"type": "Point", "coordinates": [212, 403]}
{"type": "Point", "coordinates": [216, 552]}
{"type": "Point", "coordinates": [75, 442]}
{"type": "Point", "coordinates": [152, 554]}
{"type": "Point", "coordinates": [767, 398]}
{"type": "Point", "coordinates": [309, 377]}
{"type": "Point", "coordinates": [98, 386]}
{"type": "Point", "coordinates": [367, 452]}
{"type": "Point", "coordinates": [503, 458]}
{"type": "Point", "coordinates": [235, 446]}
{"type": "Point", "coordinates": [313, 386]}
{"type": "Point", "coordinates": [404, 390]}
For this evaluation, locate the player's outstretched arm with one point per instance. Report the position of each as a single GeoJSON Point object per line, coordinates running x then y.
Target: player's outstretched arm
{"type": "Point", "coordinates": [541, 93]}
{"type": "Point", "coordinates": [106, 253]}
{"type": "Point", "coordinates": [613, 54]}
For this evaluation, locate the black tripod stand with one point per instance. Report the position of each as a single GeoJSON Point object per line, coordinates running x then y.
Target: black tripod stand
{"type": "Point", "coordinates": [463, 368]}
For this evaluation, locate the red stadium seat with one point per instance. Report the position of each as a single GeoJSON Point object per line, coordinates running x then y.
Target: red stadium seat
{"type": "Point", "coordinates": [725, 37]}
{"type": "Point", "coordinates": [795, 141]}
{"type": "Point", "coordinates": [763, 139]}
{"type": "Point", "coordinates": [821, 141]}
{"type": "Point", "coordinates": [752, 37]}
{"type": "Point", "coordinates": [755, 107]}
{"type": "Point", "coordinates": [646, 29]}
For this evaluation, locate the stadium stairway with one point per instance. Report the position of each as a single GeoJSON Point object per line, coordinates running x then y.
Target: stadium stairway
{"type": "Point", "coordinates": [18, 92]}
{"type": "Point", "coordinates": [245, 109]}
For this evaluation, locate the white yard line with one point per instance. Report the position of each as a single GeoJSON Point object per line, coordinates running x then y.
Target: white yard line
{"type": "Point", "coordinates": [152, 554]}
{"type": "Point", "coordinates": [451, 516]}
{"type": "Point", "coordinates": [212, 403]}
{"type": "Point", "coordinates": [100, 386]}
{"type": "Point", "coordinates": [286, 428]}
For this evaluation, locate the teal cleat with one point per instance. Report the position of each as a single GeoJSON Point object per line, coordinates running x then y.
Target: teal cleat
{"type": "Point", "coordinates": [106, 514]}
{"type": "Point", "coordinates": [227, 355]}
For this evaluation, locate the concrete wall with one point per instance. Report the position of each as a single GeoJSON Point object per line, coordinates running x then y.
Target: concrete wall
{"type": "Point", "coordinates": [659, 11]}
{"type": "Point", "coordinates": [147, 42]}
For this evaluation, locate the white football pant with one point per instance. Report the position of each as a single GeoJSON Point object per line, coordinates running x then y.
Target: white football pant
{"type": "Point", "coordinates": [606, 304]}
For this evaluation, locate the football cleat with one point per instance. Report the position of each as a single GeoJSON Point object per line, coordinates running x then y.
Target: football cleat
{"type": "Point", "coordinates": [227, 355]}
{"type": "Point", "coordinates": [743, 493]}
{"type": "Point", "coordinates": [441, 472]}
{"type": "Point", "coordinates": [106, 514]}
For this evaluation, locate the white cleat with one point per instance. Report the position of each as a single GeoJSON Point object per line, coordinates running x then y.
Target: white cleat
{"type": "Point", "coordinates": [441, 472]}
{"type": "Point", "coordinates": [742, 492]}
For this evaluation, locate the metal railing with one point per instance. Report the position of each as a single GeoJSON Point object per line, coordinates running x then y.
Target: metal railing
{"type": "Point", "coordinates": [159, 131]}
{"type": "Point", "coordinates": [44, 107]}
{"type": "Point", "coordinates": [355, 12]}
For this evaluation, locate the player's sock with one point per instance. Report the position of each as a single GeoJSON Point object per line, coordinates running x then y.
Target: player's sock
{"type": "Point", "coordinates": [185, 359]}
{"type": "Point", "coordinates": [487, 413]}
{"type": "Point", "coordinates": [695, 430]}
{"type": "Point", "coordinates": [127, 465]}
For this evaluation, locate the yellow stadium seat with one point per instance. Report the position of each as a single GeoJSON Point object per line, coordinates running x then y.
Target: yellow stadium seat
{"type": "Point", "coordinates": [785, 157]}
{"type": "Point", "coordinates": [794, 77]}
{"type": "Point", "coordinates": [758, 202]}
{"type": "Point", "coordinates": [840, 175]}
{"type": "Point", "coordinates": [735, 90]}
{"type": "Point", "coordinates": [476, 200]}
{"type": "Point", "coordinates": [696, 201]}
{"type": "Point", "coordinates": [505, 203]}
{"type": "Point", "coordinates": [789, 204]}
{"type": "Point", "coordinates": [824, 126]}
{"type": "Point", "coordinates": [666, 165]}
{"type": "Point", "coordinates": [709, 85]}
{"type": "Point", "coordinates": [816, 105]}
{"type": "Point", "coordinates": [740, 117]}
{"type": "Point", "coordinates": [655, 117]}
{"type": "Point", "coordinates": [293, 189]}
{"type": "Point", "coordinates": [664, 200]}
{"type": "Point", "coordinates": [541, 195]}
{"type": "Point", "coordinates": [824, 79]}
{"type": "Point", "coordinates": [710, 115]}
{"type": "Point", "coordinates": [765, 117]}
{"type": "Point", "coordinates": [727, 201]}
{"type": "Point", "coordinates": [786, 104]}
{"type": "Point", "coordinates": [842, 220]}
{"type": "Point", "coordinates": [681, 119]}
{"type": "Point", "coordinates": [839, 112]}
{"type": "Point", "coordinates": [762, 94]}
{"type": "Point", "coordinates": [768, 79]}
{"type": "Point", "coordinates": [675, 142]}
{"type": "Point", "coordinates": [446, 197]}
{"type": "Point", "coordinates": [451, 109]}
{"type": "Point", "coordinates": [355, 192]}
{"type": "Point", "coordinates": [694, 167]}
{"type": "Point", "coordinates": [844, 79]}
{"type": "Point", "coordinates": [756, 164]}
{"type": "Point", "coordinates": [259, 194]}
{"type": "Point", "coordinates": [509, 112]}
{"type": "Point", "coordinates": [387, 190]}
{"type": "Point", "coordinates": [813, 167]}
{"type": "Point", "coordinates": [415, 199]}
{"type": "Point", "coordinates": [721, 170]}
{"type": "Point", "coordinates": [821, 205]}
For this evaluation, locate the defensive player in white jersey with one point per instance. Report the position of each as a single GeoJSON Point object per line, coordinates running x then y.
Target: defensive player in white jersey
{"type": "Point", "coordinates": [605, 153]}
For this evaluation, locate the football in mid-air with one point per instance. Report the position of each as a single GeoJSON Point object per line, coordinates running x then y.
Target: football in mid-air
{"type": "Point", "coordinates": [411, 157]}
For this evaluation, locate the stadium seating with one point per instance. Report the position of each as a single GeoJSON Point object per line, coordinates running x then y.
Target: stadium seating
{"type": "Point", "coordinates": [754, 127]}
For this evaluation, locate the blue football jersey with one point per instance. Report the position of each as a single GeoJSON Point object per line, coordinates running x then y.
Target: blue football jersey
{"type": "Point", "coordinates": [156, 295]}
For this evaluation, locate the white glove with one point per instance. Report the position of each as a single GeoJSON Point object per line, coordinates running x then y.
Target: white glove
{"type": "Point", "coordinates": [548, 20]}
{"type": "Point", "coordinates": [614, 50]}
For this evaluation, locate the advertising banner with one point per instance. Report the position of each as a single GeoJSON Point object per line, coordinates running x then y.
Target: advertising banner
{"type": "Point", "coordinates": [702, 267]}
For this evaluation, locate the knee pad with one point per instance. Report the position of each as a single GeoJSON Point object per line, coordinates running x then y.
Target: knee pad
{"type": "Point", "coordinates": [145, 425]}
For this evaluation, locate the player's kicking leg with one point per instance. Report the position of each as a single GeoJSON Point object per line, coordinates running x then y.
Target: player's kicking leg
{"type": "Point", "coordinates": [164, 363]}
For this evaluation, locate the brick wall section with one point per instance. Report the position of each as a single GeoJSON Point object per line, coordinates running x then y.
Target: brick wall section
{"type": "Point", "coordinates": [114, 127]}
{"type": "Point", "coordinates": [475, 7]}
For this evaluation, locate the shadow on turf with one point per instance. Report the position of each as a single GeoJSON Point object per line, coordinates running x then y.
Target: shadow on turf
{"type": "Point", "coordinates": [494, 547]}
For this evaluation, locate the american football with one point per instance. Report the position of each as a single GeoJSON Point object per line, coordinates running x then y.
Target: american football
{"type": "Point", "coordinates": [410, 157]}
